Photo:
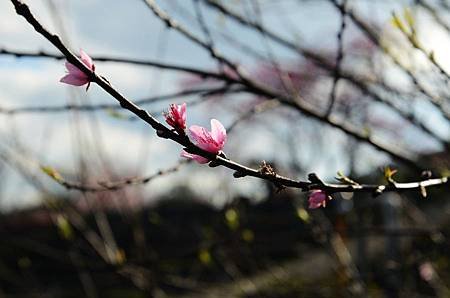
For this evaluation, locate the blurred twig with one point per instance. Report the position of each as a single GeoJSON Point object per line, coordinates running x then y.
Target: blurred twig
{"type": "Point", "coordinates": [202, 92]}
{"type": "Point", "coordinates": [111, 185]}
{"type": "Point", "coordinates": [339, 57]}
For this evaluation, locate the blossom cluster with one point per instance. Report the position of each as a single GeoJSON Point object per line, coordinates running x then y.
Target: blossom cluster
{"type": "Point", "coordinates": [210, 141]}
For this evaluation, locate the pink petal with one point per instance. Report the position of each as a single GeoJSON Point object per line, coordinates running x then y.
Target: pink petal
{"type": "Point", "coordinates": [218, 133]}
{"type": "Point", "coordinates": [75, 73]}
{"type": "Point", "coordinates": [204, 138]}
{"type": "Point", "coordinates": [183, 111]}
{"type": "Point", "coordinates": [317, 198]}
{"type": "Point", "coordinates": [73, 69]}
{"type": "Point", "coordinates": [86, 59]}
{"type": "Point", "coordinates": [426, 271]}
{"type": "Point", "coordinates": [74, 80]}
{"type": "Point", "coordinates": [210, 145]}
{"type": "Point", "coordinates": [197, 133]}
{"type": "Point", "coordinates": [197, 158]}
{"type": "Point", "coordinates": [313, 205]}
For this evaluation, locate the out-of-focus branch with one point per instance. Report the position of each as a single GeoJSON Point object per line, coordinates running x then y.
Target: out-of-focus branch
{"type": "Point", "coordinates": [202, 92]}
{"type": "Point", "coordinates": [156, 64]}
{"type": "Point", "coordinates": [339, 57]}
{"type": "Point", "coordinates": [196, 40]}
{"type": "Point", "coordinates": [111, 185]}
{"type": "Point", "coordinates": [415, 43]}
{"type": "Point", "coordinates": [75, 219]}
{"type": "Point", "coordinates": [257, 109]}
{"type": "Point", "coordinates": [375, 38]}
{"type": "Point", "coordinates": [362, 84]}
{"type": "Point", "coordinates": [434, 14]}
{"type": "Point", "coordinates": [294, 103]}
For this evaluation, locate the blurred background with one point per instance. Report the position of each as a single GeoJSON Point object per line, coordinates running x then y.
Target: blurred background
{"type": "Point", "coordinates": [94, 204]}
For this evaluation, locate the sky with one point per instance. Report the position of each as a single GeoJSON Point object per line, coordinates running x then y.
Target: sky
{"type": "Point", "coordinates": [128, 29]}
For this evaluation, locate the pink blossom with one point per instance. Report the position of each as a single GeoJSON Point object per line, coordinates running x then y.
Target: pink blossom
{"type": "Point", "coordinates": [75, 76]}
{"type": "Point", "coordinates": [317, 198]}
{"type": "Point", "coordinates": [426, 271]}
{"type": "Point", "coordinates": [176, 117]}
{"type": "Point", "coordinates": [211, 141]}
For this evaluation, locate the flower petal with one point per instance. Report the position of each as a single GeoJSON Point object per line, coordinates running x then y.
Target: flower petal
{"type": "Point", "coordinates": [208, 143]}
{"type": "Point", "coordinates": [205, 140]}
{"type": "Point", "coordinates": [176, 117]}
{"type": "Point", "coordinates": [197, 158]}
{"type": "Point", "coordinates": [86, 59]}
{"type": "Point", "coordinates": [183, 112]}
{"type": "Point", "coordinates": [317, 198]}
{"type": "Point", "coordinates": [74, 80]}
{"type": "Point", "coordinates": [73, 69]}
{"type": "Point", "coordinates": [198, 133]}
{"type": "Point", "coordinates": [218, 133]}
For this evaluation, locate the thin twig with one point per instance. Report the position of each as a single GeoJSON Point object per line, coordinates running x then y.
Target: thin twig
{"type": "Point", "coordinates": [203, 92]}
{"type": "Point", "coordinates": [115, 185]}
{"type": "Point", "coordinates": [375, 38]}
{"type": "Point", "coordinates": [156, 64]}
{"type": "Point", "coordinates": [339, 57]}
{"type": "Point", "coordinates": [361, 84]}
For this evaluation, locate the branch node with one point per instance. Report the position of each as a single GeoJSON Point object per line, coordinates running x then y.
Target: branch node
{"type": "Point", "coordinates": [380, 189]}
{"type": "Point", "coordinates": [423, 191]}
{"type": "Point", "coordinates": [315, 179]}
{"type": "Point", "coordinates": [213, 164]}
{"type": "Point", "coordinates": [427, 174]}
{"type": "Point", "coordinates": [162, 134]}
{"type": "Point", "coordinates": [266, 169]}
{"type": "Point", "coordinates": [222, 154]}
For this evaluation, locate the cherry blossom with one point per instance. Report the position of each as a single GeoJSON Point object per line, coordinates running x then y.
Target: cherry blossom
{"type": "Point", "coordinates": [317, 198]}
{"type": "Point", "coordinates": [75, 76]}
{"type": "Point", "coordinates": [176, 117]}
{"type": "Point", "coordinates": [211, 141]}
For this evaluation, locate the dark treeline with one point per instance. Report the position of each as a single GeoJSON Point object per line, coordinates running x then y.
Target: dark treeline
{"type": "Point", "coordinates": [183, 246]}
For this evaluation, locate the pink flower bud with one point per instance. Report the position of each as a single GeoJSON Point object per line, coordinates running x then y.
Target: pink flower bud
{"type": "Point", "coordinates": [317, 198]}
{"type": "Point", "coordinates": [75, 76]}
{"type": "Point", "coordinates": [176, 117]}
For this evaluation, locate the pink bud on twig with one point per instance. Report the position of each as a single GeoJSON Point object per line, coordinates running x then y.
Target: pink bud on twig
{"type": "Point", "coordinates": [176, 117]}
{"type": "Point", "coordinates": [75, 76]}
